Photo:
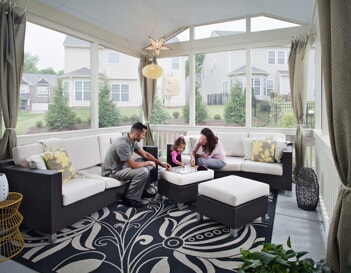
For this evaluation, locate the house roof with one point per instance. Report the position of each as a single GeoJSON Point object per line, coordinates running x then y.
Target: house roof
{"type": "Point", "coordinates": [83, 72]}
{"type": "Point", "coordinates": [33, 79]}
{"type": "Point", "coordinates": [242, 71]}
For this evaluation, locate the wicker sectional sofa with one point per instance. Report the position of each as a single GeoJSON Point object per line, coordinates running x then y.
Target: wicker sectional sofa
{"type": "Point", "coordinates": [237, 146]}
{"type": "Point", "coordinates": [49, 204]}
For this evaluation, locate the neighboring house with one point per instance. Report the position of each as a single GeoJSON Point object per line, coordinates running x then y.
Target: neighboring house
{"type": "Point", "coordinates": [269, 68]}
{"type": "Point", "coordinates": [37, 91]}
{"type": "Point", "coordinates": [117, 68]}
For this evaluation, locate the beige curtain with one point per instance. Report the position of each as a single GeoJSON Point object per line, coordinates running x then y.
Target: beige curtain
{"type": "Point", "coordinates": [298, 74]}
{"type": "Point", "coordinates": [148, 92]}
{"type": "Point", "coordinates": [335, 30]}
{"type": "Point", "coordinates": [12, 32]}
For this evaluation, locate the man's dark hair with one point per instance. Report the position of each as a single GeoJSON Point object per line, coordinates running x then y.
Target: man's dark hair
{"type": "Point", "coordinates": [138, 126]}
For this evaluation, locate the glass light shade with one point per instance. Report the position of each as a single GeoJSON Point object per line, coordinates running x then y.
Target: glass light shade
{"type": "Point", "coordinates": [152, 71]}
{"type": "Point", "coordinates": [4, 187]}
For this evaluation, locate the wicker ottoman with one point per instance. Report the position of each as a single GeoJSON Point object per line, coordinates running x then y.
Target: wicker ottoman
{"type": "Point", "coordinates": [233, 201]}
{"type": "Point", "coordinates": [182, 188]}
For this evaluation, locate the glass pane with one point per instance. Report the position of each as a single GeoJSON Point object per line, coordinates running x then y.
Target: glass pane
{"type": "Point", "coordinates": [172, 97]}
{"type": "Point", "coordinates": [220, 29]}
{"type": "Point", "coordinates": [119, 89]}
{"type": "Point", "coordinates": [271, 95]}
{"type": "Point", "coordinates": [53, 67]}
{"type": "Point", "coordinates": [265, 23]}
{"type": "Point", "coordinates": [220, 90]}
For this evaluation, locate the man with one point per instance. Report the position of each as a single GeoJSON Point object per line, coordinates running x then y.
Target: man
{"type": "Point", "coordinates": [120, 164]}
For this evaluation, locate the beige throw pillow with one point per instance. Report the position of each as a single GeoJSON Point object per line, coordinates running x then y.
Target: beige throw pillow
{"type": "Point", "coordinates": [60, 161]}
{"type": "Point", "coordinates": [263, 151]}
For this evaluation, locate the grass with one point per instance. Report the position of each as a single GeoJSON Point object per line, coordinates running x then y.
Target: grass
{"type": "Point", "coordinates": [27, 119]}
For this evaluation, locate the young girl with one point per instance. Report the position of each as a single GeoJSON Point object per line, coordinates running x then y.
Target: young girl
{"type": "Point", "coordinates": [176, 152]}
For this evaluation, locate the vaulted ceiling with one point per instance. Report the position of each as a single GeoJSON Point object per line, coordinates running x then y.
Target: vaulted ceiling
{"type": "Point", "coordinates": [128, 23]}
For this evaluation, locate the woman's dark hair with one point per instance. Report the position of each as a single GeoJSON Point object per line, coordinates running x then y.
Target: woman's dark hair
{"type": "Point", "coordinates": [212, 140]}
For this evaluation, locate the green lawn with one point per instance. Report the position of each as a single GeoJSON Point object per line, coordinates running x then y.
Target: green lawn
{"type": "Point", "coordinates": [27, 119]}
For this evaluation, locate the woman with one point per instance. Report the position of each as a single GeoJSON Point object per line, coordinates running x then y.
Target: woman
{"type": "Point", "coordinates": [213, 155]}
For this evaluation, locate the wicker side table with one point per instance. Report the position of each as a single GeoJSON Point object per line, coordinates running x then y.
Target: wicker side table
{"type": "Point", "coordinates": [11, 240]}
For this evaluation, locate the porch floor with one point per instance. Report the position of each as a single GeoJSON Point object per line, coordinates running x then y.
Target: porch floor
{"type": "Point", "coordinates": [305, 228]}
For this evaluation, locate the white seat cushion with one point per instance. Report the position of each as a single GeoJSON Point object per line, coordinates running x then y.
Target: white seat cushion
{"type": "Point", "coordinates": [95, 172]}
{"type": "Point", "coordinates": [185, 179]}
{"type": "Point", "coordinates": [233, 164]}
{"type": "Point", "coordinates": [79, 188]}
{"type": "Point", "coordinates": [233, 190]}
{"type": "Point", "coordinates": [262, 167]}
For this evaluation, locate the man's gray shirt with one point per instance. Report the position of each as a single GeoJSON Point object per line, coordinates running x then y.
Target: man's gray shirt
{"type": "Point", "coordinates": [120, 150]}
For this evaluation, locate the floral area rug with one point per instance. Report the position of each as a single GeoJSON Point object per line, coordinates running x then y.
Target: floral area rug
{"type": "Point", "coordinates": [157, 238]}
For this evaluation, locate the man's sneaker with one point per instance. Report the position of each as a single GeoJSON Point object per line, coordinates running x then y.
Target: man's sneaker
{"type": "Point", "coordinates": [132, 203]}
{"type": "Point", "coordinates": [148, 194]}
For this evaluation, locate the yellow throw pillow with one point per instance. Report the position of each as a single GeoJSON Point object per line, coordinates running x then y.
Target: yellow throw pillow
{"type": "Point", "coordinates": [263, 151]}
{"type": "Point", "coordinates": [60, 161]}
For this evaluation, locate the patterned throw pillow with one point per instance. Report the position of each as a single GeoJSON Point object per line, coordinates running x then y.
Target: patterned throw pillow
{"type": "Point", "coordinates": [60, 161]}
{"type": "Point", "coordinates": [263, 151]}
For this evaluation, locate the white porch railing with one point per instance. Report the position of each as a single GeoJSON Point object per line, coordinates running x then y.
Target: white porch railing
{"type": "Point", "coordinates": [318, 156]}
{"type": "Point", "coordinates": [328, 178]}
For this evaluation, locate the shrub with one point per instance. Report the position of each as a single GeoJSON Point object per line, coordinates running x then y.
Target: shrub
{"type": "Point", "coordinates": [176, 115]}
{"type": "Point", "coordinates": [217, 116]}
{"type": "Point", "coordinates": [39, 124]}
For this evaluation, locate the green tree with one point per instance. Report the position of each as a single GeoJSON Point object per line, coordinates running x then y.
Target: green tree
{"type": "Point", "coordinates": [109, 115]}
{"type": "Point", "coordinates": [30, 63]}
{"type": "Point", "coordinates": [276, 113]}
{"type": "Point", "coordinates": [234, 109]}
{"type": "Point", "coordinates": [200, 109]}
{"type": "Point", "coordinates": [48, 70]}
{"type": "Point", "coordinates": [59, 115]}
{"type": "Point", "coordinates": [159, 115]}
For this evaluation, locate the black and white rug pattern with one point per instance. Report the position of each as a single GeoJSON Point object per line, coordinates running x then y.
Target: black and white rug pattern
{"type": "Point", "coordinates": [157, 238]}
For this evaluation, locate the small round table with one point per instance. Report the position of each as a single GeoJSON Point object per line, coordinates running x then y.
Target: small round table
{"type": "Point", "coordinates": [11, 240]}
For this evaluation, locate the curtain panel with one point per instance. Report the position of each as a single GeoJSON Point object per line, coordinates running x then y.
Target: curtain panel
{"type": "Point", "coordinates": [12, 34]}
{"type": "Point", "coordinates": [335, 31]}
{"type": "Point", "coordinates": [148, 93]}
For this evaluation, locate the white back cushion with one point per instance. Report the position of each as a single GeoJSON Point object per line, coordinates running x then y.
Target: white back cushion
{"type": "Point", "coordinates": [21, 153]}
{"type": "Point", "coordinates": [83, 151]}
{"type": "Point", "coordinates": [232, 142]}
{"type": "Point", "coordinates": [105, 141]}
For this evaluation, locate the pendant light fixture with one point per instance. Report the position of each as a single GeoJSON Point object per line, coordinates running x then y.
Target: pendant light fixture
{"type": "Point", "coordinates": [154, 71]}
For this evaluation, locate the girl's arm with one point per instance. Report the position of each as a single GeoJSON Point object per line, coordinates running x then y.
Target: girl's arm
{"type": "Point", "coordinates": [174, 155]}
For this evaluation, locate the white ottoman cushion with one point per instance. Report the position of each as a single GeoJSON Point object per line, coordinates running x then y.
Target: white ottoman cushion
{"type": "Point", "coordinates": [233, 190]}
{"type": "Point", "coordinates": [185, 179]}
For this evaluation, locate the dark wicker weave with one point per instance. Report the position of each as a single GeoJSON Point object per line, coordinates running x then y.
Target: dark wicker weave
{"type": "Point", "coordinates": [307, 189]}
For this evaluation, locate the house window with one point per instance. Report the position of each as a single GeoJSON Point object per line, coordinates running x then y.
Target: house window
{"type": "Point", "coordinates": [271, 57]}
{"type": "Point", "coordinates": [281, 57]}
{"type": "Point", "coordinates": [270, 86]}
{"type": "Point", "coordinates": [175, 63]}
{"type": "Point", "coordinates": [43, 90]}
{"type": "Point", "coordinates": [113, 57]}
{"type": "Point", "coordinates": [66, 89]}
{"type": "Point", "coordinates": [24, 89]}
{"type": "Point", "coordinates": [120, 92]}
{"type": "Point", "coordinates": [82, 90]}
{"type": "Point", "coordinates": [239, 83]}
{"type": "Point", "coordinates": [225, 87]}
{"type": "Point", "coordinates": [256, 86]}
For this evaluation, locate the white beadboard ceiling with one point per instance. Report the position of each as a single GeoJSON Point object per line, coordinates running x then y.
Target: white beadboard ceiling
{"type": "Point", "coordinates": [128, 23]}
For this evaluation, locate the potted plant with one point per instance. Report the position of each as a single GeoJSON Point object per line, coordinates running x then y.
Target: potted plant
{"type": "Point", "coordinates": [273, 258]}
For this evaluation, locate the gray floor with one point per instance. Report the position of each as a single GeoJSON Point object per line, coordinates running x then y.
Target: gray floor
{"type": "Point", "coordinates": [305, 229]}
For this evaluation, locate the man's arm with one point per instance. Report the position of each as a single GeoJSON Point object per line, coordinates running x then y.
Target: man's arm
{"type": "Point", "coordinates": [150, 157]}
